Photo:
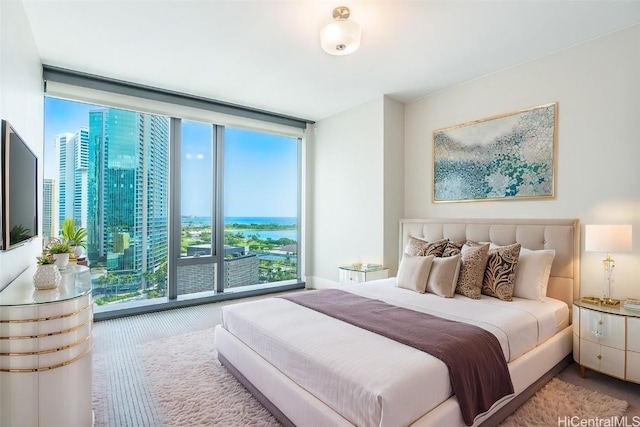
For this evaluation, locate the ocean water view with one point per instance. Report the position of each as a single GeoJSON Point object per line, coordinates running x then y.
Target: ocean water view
{"type": "Point", "coordinates": [278, 220]}
{"type": "Point", "coordinates": [248, 220]}
{"type": "Point", "coordinates": [269, 234]}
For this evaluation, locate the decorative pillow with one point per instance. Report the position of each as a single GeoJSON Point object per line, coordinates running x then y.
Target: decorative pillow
{"type": "Point", "coordinates": [414, 246]}
{"type": "Point", "coordinates": [414, 272]}
{"type": "Point", "coordinates": [420, 247]}
{"type": "Point", "coordinates": [532, 275]}
{"type": "Point", "coordinates": [444, 276]}
{"type": "Point", "coordinates": [474, 261]}
{"type": "Point", "coordinates": [452, 248]}
{"type": "Point", "coordinates": [500, 273]}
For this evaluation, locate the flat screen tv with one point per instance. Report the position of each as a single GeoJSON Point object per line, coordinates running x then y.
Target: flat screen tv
{"type": "Point", "coordinates": [19, 186]}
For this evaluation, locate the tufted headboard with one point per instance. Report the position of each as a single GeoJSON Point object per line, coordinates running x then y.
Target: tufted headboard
{"type": "Point", "coordinates": [562, 235]}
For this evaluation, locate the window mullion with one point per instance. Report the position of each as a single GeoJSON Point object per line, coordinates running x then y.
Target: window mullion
{"type": "Point", "coordinates": [218, 203]}
{"type": "Point", "coordinates": [175, 225]}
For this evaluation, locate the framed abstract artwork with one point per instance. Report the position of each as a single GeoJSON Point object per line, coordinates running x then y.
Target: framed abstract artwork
{"type": "Point", "coordinates": [510, 156]}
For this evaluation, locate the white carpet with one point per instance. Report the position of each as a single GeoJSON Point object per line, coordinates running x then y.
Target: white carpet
{"type": "Point", "coordinates": [559, 403]}
{"type": "Point", "coordinates": [197, 391]}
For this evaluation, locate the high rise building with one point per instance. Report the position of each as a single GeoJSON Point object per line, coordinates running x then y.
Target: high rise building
{"type": "Point", "coordinates": [128, 190]}
{"type": "Point", "coordinates": [72, 151]}
{"type": "Point", "coordinates": [49, 229]}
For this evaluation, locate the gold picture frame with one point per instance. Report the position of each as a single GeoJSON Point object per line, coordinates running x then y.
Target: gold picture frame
{"type": "Point", "coordinates": [506, 157]}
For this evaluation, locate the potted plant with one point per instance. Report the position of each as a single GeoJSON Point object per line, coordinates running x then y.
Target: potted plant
{"type": "Point", "coordinates": [60, 250]}
{"type": "Point", "coordinates": [76, 237]}
{"type": "Point", "coordinates": [47, 275]}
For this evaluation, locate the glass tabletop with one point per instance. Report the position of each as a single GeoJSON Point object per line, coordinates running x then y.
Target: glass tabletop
{"type": "Point", "coordinates": [617, 309]}
{"type": "Point", "coordinates": [362, 267]}
{"type": "Point", "coordinates": [75, 282]}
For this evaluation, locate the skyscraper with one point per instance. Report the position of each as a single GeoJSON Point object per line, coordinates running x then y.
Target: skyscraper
{"type": "Point", "coordinates": [72, 151]}
{"type": "Point", "coordinates": [49, 209]}
{"type": "Point", "coordinates": [128, 190]}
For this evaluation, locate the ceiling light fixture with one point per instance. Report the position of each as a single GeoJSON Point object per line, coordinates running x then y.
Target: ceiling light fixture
{"type": "Point", "coordinates": [340, 36]}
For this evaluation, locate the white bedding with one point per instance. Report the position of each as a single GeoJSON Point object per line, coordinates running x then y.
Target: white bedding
{"type": "Point", "coordinates": [371, 380]}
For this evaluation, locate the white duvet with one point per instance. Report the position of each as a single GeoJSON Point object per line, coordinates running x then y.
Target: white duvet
{"type": "Point", "coordinates": [369, 379]}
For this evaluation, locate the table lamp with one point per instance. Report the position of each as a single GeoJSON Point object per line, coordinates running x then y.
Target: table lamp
{"type": "Point", "coordinates": [608, 238]}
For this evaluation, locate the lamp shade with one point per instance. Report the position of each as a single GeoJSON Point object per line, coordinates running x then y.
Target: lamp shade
{"type": "Point", "coordinates": [607, 238]}
{"type": "Point", "coordinates": [340, 36]}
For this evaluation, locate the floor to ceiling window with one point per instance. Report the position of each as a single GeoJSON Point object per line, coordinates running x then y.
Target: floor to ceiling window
{"type": "Point", "coordinates": [261, 192]}
{"type": "Point", "coordinates": [236, 203]}
{"type": "Point", "coordinates": [197, 263]}
{"type": "Point", "coordinates": [107, 169]}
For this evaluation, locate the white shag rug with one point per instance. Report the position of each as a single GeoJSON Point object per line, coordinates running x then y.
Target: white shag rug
{"type": "Point", "coordinates": [559, 403]}
{"type": "Point", "coordinates": [192, 388]}
{"type": "Point", "coordinates": [196, 390]}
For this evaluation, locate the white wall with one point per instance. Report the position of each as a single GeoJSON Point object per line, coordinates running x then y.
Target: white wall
{"type": "Point", "coordinates": [22, 104]}
{"type": "Point", "coordinates": [393, 180]}
{"type": "Point", "coordinates": [349, 159]}
{"type": "Point", "coordinates": [597, 87]}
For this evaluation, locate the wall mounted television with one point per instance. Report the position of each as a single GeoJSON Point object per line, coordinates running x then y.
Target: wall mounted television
{"type": "Point", "coordinates": [19, 186]}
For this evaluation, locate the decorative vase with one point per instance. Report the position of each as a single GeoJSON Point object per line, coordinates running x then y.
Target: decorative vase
{"type": "Point", "coordinates": [62, 260]}
{"type": "Point", "coordinates": [78, 251]}
{"type": "Point", "coordinates": [47, 276]}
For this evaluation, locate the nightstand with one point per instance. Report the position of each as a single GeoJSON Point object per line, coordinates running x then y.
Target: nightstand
{"type": "Point", "coordinates": [607, 339]}
{"type": "Point", "coordinates": [350, 274]}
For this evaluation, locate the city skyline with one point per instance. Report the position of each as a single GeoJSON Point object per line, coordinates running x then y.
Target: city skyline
{"type": "Point", "coordinates": [252, 159]}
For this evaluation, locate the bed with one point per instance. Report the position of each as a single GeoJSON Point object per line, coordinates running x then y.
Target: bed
{"type": "Point", "coordinates": [311, 369]}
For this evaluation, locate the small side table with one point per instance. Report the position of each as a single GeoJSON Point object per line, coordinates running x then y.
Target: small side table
{"type": "Point", "coordinates": [606, 339]}
{"type": "Point", "coordinates": [349, 274]}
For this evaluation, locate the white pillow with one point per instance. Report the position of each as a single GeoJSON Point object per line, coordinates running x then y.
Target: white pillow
{"type": "Point", "coordinates": [414, 272]}
{"type": "Point", "coordinates": [444, 276]}
{"type": "Point", "coordinates": [532, 274]}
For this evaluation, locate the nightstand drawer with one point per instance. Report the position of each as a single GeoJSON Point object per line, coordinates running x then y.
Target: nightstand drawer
{"type": "Point", "coordinates": [576, 348]}
{"type": "Point", "coordinates": [602, 358]}
{"type": "Point", "coordinates": [633, 334]}
{"type": "Point", "coordinates": [346, 276]}
{"type": "Point", "coordinates": [602, 328]}
{"type": "Point", "coordinates": [633, 366]}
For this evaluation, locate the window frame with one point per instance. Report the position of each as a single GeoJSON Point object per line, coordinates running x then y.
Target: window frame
{"type": "Point", "coordinates": [79, 87]}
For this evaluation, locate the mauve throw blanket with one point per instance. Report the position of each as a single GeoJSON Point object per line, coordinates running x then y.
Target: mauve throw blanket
{"type": "Point", "coordinates": [477, 368]}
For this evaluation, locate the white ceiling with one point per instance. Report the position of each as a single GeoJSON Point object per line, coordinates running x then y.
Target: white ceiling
{"type": "Point", "coordinates": [266, 54]}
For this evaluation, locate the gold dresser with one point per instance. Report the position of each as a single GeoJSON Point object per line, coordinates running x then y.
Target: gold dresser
{"type": "Point", "coordinates": [45, 351]}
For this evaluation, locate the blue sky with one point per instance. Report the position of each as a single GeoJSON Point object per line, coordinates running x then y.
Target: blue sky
{"type": "Point", "coordinates": [260, 169]}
